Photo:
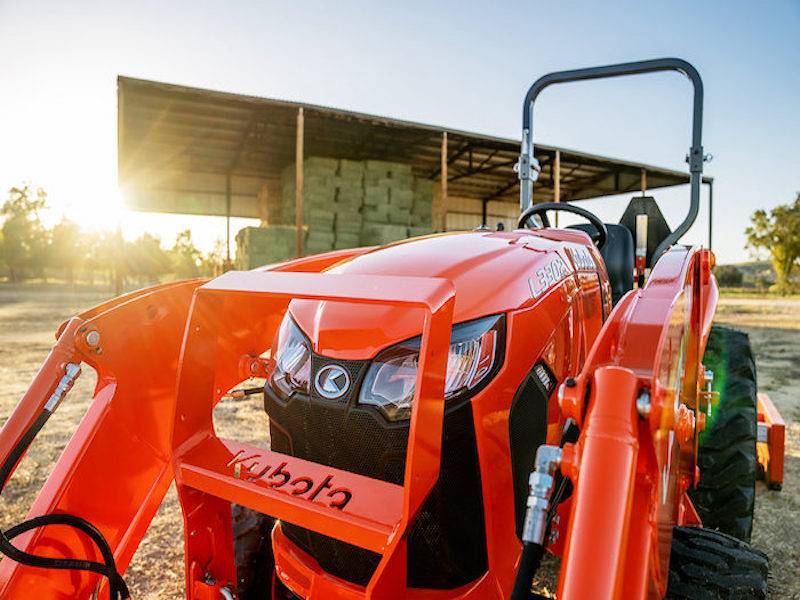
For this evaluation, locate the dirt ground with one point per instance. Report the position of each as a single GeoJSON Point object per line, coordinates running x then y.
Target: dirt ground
{"type": "Point", "coordinates": [29, 316]}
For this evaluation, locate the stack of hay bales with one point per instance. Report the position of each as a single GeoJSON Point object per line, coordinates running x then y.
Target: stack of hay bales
{"type": "Point", "coordinates": [388, 199]}
{"type": "Point", "coordinates": [422, 208]}
{"type": "Point", "coordinates": [319, 194]}
{"type": "Point", "coordinates": [257, 246]}
{"type": "Point", "coordinates": [346, 204]}
{"type": "Point", "coordinates": [349, 200]}
{"type": "Point", "coordinates": [350, 203]}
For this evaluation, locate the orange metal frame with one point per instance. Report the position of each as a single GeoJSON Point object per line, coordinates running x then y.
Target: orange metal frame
{"type": "Point", "coordinates": [167, 355]}
{"type": "Point", "coordinates": [771, 439]}
{"type": "Point", "coordinates": [635, 471]}
{"type": "Point", "coordinates": [233, 316]}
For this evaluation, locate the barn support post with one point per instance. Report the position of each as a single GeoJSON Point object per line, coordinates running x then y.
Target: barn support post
{"type": "Point", "coordinates": [228, 263]}
{"type": "Point", "coordinates": [443, 223]}
{"type": "Point", "coordinates": [643, 181]}
{"type": "Point", "coordinates": [298, 185]}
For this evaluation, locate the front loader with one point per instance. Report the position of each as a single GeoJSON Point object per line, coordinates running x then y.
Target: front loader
{"type": "Point", "coordinates": [442, 412]}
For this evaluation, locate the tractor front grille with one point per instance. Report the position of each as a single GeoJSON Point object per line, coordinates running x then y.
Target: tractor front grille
{"type": "Point", "coordinates": [447, 541]}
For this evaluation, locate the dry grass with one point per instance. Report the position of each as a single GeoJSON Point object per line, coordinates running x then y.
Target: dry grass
{"type": "Point", "coordinates": [28, 318]}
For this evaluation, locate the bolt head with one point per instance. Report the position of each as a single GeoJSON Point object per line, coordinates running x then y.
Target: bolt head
{"type": "Point", "coordinates": [93, 339]}
{"type": "Point", "coordinates": [643, 405]}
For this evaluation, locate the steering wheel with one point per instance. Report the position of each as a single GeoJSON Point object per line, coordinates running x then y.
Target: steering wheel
{"type": "Point", "coordinates": [540, 210]}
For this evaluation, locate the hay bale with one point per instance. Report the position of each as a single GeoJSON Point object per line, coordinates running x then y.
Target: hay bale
{"type": "Point", "coordinates": [375, 195]}
{"type": "Point", "coordinates": [348, 222]}
{"type": "Point", "coordinates": [379, 234]}
{"type": "Point", "coordinates": [400, 216]}
{"type": "Point", "coordinates": [317, 237]}
{"type": "Point", "coordinates": [256, 246]}
{"type": "Point", "coordinates": [318, 219]}
{"type": "Point", "coordinates": [419, 231]}
{"type": "Point", "coordinates": [376, 214]}
{"type": "Point", "coordinates": [353, 197]}
{"type": "Point", "coordinates": [401, 198]}
{"type": "Point", "coordinates": [347, 240]}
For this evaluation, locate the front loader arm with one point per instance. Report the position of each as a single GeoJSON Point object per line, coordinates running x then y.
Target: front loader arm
{"type": "Point", "coordinates": [636, 400]}
{"type": "Point", "coordinates": [116, 468]}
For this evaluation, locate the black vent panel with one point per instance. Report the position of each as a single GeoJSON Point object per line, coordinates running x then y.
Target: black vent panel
{"type": "Point", "coordinates": [447, 541]}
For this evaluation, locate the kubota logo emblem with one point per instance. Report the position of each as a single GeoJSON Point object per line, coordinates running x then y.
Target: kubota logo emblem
{"type": "Point", "coordinates": [332, 381]}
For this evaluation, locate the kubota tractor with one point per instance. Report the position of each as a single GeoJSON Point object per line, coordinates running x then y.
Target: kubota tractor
{"type": "Point", "coordinates": [442, 411]}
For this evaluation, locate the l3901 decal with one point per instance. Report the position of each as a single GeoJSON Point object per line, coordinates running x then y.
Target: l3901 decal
{"type": "Point", "coordinates": [582, 258]}
{"type": "Point", "coordinates": [548, 276]}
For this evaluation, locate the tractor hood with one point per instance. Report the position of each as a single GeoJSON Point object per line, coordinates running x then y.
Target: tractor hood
{"type": "Point", "coordinates": [490, 272]}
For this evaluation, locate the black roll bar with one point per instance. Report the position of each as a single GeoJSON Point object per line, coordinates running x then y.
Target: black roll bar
{"type": "Point", "coordinates": [529, 168]}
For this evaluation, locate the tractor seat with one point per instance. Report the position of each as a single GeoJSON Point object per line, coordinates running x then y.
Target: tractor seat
{"type": "Point", "coordinates": [618, 254]}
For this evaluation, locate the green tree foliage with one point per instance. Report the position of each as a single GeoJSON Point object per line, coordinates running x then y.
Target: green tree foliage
{"type": "Point", "coordinates": [25, 240]}
{"type": "Point", "coordinates": [3, 265]}
{"type": "Point", "coordinates": [728, 276]}
{"type": "Point", "coordinates": [103, 254]}
{"type": "Point", "coordinates": [186, 259]}
{"type": "Point", "coordinates": [778, 232]}
{"type": "Point", "coordinates": [67, 253]}
{"type": "Point", "coordinates": [68, 249]}
{"type": "Point", "coordinates": [213, 263]}
{"type": "Point", "coordinates": [146, 260]}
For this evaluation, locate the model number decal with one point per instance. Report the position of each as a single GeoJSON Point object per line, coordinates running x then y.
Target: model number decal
{"type": "Point", "coordinates": [582, 258]}
{"type": "Point", "coordinates": [548, 276]}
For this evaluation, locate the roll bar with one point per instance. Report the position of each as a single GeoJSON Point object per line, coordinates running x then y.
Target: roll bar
{"type": "Point", "coordinates": [528, 166]}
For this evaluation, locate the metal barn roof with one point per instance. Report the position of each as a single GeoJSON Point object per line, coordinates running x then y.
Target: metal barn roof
{"type": "Point", "coordinates": [180, 148]}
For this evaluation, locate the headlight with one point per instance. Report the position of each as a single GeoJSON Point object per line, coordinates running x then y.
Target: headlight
{"type": "Point", "coordinates": [292, 360]}
{"type": "Point", "coordinates": [474, 348]}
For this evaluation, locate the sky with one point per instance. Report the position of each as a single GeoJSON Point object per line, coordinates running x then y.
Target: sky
{"type": "Point", "coordinates": [464, 65]}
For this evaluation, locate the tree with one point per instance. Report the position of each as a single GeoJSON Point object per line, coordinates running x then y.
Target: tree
{"type": "Point", "coordinates": [778, 232]}
{"type": "Point", "coordinates": [3, 264]}
{"type": "Point", "coordinates": [104, 254]}
{"type": "Point", "coordinates": [67, 250]}
{"type": "Point", "coordinates": [213, 262]}
{"type": "Point", "coordinates": [24, 237]}
{"type": "Point", "coordinates": [146, 259]}
{"type": "Point", "coordinates": [186, 259]}
{"type": "Point", "coordinates": [728, 276]}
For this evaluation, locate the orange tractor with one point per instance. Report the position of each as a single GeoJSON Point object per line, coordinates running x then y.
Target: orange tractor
{"type": "Point", "coordinates": [442, 412]}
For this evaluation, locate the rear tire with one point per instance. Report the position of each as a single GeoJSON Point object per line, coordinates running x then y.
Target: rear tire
{"type": "Point", "coordinates": [252, 550]}
{"type": "Point", "coordinates": [725, 495]}
{"type": "Point", "coordinates": [707, 564]}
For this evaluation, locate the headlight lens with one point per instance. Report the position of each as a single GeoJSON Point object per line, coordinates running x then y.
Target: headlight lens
{"type": "Point", "coordinates": [391, 379]}
{"type": "Point", "coordinates": [292, 360]}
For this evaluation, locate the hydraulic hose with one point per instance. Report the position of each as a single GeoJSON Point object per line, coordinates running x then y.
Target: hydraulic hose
{"type": "Point", "coordinates": [118, 590]}
{"type": "Point", "coordinates": [542, 483]}
{"type": "Point", "coordinates": [529, 562]}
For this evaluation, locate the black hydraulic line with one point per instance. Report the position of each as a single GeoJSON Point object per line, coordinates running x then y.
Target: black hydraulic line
{"type": "Point", "coordinates": [243, 392]}
{"type": "Point", "coordinates": [529, 563]}
{"type": "Point", "coordinates": [117, 587]}
{"type": "Point", "coordinates": [531, 558]}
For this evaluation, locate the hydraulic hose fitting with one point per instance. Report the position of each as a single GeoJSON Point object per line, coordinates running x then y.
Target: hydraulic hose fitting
{"type": "Point", "coordinates": [541, 485]}
{"type": "Point", "coordinates": [71, 372]}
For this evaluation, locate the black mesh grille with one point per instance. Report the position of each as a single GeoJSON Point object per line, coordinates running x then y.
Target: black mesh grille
{"type": "Point", "coordinates": [527, 429]}
{"type": "Point", "coordinates": [447, 541]}
{"type": "Point", "coordinates": [334, 556]}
